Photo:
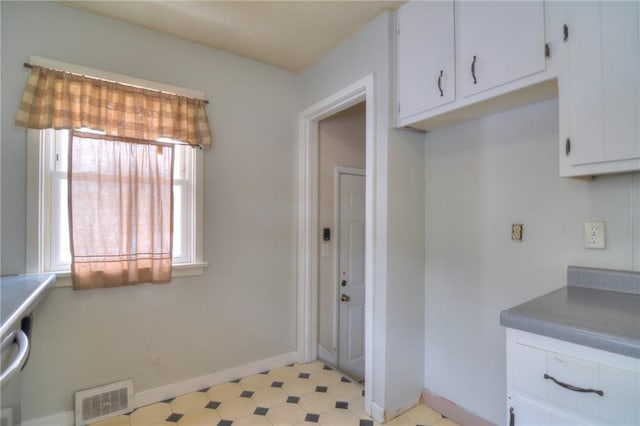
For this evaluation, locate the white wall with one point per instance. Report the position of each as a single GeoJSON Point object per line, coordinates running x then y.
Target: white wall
{"type": "Point", "coordinates": [406, 270]}
{"type": "Point", "coordinates": [481, 177]}
{"type": "Point", "coordinates": [369, 51]}
{"type": "Point", "coordinates": [163, 334]}
{"type": "Point", "coordinates": [341, 142]}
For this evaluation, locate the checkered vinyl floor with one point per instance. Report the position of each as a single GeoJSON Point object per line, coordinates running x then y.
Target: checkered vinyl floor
{"type": "Point", "coordinates": [298, 394]}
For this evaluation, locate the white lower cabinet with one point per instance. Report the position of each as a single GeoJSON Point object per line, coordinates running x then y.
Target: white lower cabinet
{"type": "Point", "coordinates": [531, 414]}
{"type": "Point", "coordinates": [552, 382]}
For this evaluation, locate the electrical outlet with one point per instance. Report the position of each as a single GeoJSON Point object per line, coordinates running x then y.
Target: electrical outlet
{"type": "Point", "coordinates": [516, 231]}
{"type": "Point", "coordinates": [594, 235]}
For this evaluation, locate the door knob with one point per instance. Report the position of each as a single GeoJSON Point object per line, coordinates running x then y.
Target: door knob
{"type": "Point", "coordinates": [344, 298]}
{"type": "Point", "coordinates": [343, 283]}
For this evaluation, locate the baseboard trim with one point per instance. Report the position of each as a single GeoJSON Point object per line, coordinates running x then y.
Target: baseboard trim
{"type": "Point", "coordinates": [396, 412]}
{"type": "Point", "coordinates": [325, 355]}
{"type": "Point", "coordinates": [452, 411]}
{"type": "Point", "coordinates": [381, 415]}
{"type": "Point", "coordinates": [162, 393]}
{"type": "Point", "coordinates": [377, 412]}
{"type": "Point", "coordinates": [66, 418]}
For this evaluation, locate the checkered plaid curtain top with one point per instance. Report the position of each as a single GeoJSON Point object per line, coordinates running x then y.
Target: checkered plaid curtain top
{"type": "Point", "coordinates": [61, 100]}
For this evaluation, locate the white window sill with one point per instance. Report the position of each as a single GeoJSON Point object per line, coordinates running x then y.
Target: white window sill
{"type": "Point", "coordinates": [63, 279]}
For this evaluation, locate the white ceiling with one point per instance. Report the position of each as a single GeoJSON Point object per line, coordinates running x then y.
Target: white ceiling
{"type": "Point", "coordinates": [288, 34]}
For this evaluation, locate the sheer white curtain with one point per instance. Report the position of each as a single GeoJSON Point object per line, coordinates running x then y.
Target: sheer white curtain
{"type": "Point", "coordinates": [120, 211]}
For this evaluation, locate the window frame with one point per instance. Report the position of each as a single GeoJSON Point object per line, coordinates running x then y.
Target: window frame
{"type": "Point", "coordinates": [40, 166]}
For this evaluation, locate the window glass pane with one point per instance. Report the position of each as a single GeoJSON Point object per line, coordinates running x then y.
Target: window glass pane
{"type": "Point", "coordinates": [178, 234]}
{"type": "Point", "coordinates": [63, 224]}
{"type": "Point", "coordinates": [58, 252]}
{"type": "Point", "coordinates": [60, 256]}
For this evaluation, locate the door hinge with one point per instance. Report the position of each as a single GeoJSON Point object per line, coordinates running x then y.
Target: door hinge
{"type": "Point", "coordinates": [565, 32]}
{"type": "Point", "coordinates": [547, 50]}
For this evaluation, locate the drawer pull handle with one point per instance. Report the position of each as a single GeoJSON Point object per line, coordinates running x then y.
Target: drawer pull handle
{"type": "Point", "coordinates": [573, 388]}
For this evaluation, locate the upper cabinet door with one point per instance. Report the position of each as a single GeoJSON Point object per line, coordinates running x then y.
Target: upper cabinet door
{"type": "Point", "coordinates": [584, 82]}
{"type": "Point", "coordinates": [603, 82]}
{"type": "Point", "coordinates": [424, 57]}
{"type": "Point", "coordinates": [497, 42]}
{"type": "Point", "coordinates": [621, 79]}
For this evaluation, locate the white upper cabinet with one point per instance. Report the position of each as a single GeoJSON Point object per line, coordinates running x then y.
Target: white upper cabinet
{"type": "Point", "coordinates": [498, 42]}
{"type": "Point", "coordinates": [458, 60]}
{"type": "Point", "coordinates": [424, 57]}
{"type": "Point", "coordinates": [600, 89]}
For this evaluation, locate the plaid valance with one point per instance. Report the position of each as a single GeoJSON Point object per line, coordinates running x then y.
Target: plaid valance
{"type": "Point", "coordinates": [62, 100]}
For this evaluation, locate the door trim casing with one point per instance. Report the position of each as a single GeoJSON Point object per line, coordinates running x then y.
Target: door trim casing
{"type": "Point", "coordinates": [308, 233]}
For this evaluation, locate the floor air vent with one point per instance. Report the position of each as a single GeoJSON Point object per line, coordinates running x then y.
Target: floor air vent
{"type": "Point", "coordinates": [94, 405]}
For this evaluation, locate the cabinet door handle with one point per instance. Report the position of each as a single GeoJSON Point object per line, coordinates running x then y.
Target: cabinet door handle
{"type": "Point", "coordinates": [440, 83]}
{"type": "Point", "coordinates": [565, 32]}
{"type": "Point", "coordinates": [473, 70]}
{"type": "Point", "coordinates": [567, 147]}
{"type": "Point", "coordinates": [571, 387]}
{"type": "Point", "coordinates": [512, 417]}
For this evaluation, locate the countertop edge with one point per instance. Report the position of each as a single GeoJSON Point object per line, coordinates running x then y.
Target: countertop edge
{"type": "Point", "coordinates": [607, 342]}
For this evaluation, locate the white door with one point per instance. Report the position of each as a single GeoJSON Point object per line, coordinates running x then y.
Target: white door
{"type": "Point", "coordinates": [351, 294]}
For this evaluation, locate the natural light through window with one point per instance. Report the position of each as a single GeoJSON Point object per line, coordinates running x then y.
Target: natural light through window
{"type": "Point", "coordinates": [52, 236]}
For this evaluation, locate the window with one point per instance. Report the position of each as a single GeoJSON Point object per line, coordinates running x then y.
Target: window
{"type": "Point", "coordinates": [48, 221]}
{"type": "Point", "coordinates": [67, 96]}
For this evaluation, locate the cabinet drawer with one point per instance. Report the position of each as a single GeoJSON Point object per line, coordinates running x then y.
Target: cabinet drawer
{"type": "Point", "coordinates": [528, 413]}
{"type": "Point", "coordinates": [569, 371]}
{"type": "Point", "coordinates": [609, 394]}
{"type": "Point", "coordinates": [529, 367]}
{"type": "Point", "coordinates": [621, 401]}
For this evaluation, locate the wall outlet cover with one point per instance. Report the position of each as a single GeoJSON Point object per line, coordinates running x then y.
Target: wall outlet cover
{"type": "Point", "coordinates": [594, 235]}
{"type": "Point", "coordinates": [516, 231]}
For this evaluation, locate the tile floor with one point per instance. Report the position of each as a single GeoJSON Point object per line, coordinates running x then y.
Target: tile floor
{"type": "Point", "coordinates": [298, 394]}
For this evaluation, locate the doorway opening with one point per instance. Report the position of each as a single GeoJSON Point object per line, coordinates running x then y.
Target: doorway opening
{"type": "Point", "coordinates": [309, 246]}
{"type": "Point", "coordinates": [341, 219]}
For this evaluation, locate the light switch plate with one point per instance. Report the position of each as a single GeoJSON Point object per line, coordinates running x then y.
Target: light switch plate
{"type": "Point", "coordinates": [594, 235]}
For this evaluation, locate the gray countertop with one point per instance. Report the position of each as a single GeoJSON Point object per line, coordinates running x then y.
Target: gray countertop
{"type": "Point", "coordinates": [587, 314]}
{"type": "Point", "coordinates": [19, 294]}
